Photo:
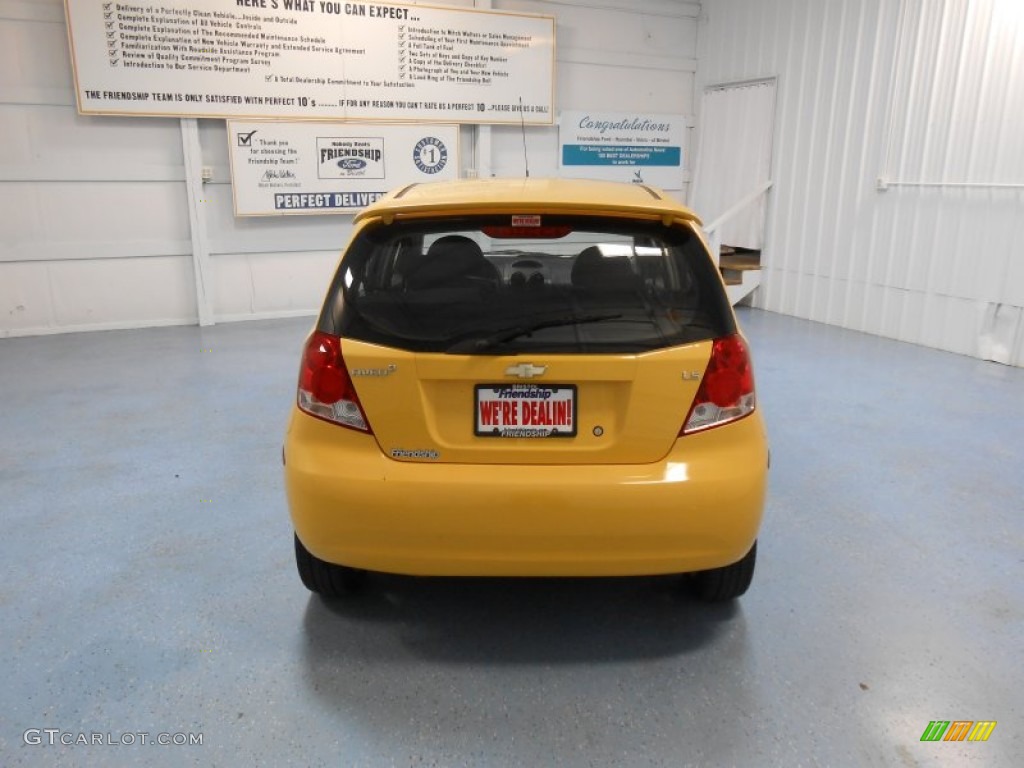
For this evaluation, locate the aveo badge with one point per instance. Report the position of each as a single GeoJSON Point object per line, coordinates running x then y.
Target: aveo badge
{"type": "Point", "coordinates": [350, 158]}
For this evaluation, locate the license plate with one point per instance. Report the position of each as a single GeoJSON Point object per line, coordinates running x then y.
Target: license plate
{"type": "Point", "coordinates": [525, 410]}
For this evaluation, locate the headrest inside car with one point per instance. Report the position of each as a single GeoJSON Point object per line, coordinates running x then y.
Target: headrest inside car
{"type": "Point", "coordinates": [594, 271]}
{"type": "Point", "coordinates": [450, 260]}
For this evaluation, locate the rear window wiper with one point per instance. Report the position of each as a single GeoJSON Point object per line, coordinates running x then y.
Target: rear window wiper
{"type": "Point", "coordinates": [483, 343]}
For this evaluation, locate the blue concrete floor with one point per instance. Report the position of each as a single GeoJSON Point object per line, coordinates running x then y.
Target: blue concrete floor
{"type": "Point", "coordinates": [149, 587]}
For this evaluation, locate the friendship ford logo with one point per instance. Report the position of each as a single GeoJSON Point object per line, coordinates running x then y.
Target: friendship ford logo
{"type": "Point", "coordinates": [350, 157]}
{"type": "Point", "coordinates": [525, 370]}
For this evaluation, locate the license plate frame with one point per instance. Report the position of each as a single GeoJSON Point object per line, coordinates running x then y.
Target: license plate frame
{"type": "Point", "coordinates": [531, 416]}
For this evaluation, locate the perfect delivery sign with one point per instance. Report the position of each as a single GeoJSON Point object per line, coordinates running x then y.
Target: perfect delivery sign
{"type": "Point", "coordinates": [614, 146]}
{"type": "Point", "coordinates": [293, 167]}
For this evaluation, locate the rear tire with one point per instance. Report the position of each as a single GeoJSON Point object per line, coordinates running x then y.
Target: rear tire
{"type": "Point", "coordinates": [728, 583]}
{"type": "Point", "coordinates": [325, 579]}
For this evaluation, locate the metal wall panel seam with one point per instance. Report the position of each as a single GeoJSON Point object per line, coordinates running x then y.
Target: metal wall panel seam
{"type": "Point", "coordinates": [875, 99]}
{"type": "Point", "coordinates": [219, 248]}
{"type": "Point", "coordinates": [845, 210]}
{"type": "Point", "coordinates": [899, 241]}
{"type": "Point", "coordinates": [838, 134]}
{"type": "Point", "coordinates": [1005, 122]}
{"type": "Point", "coordinates": [117, 325]}
{"type": "Point", "coordinates": [935, 87]}
{"type": "Point", "coordinates": [272, 314]}
{"type": "Point", "coordinates": [1007, 269]}
{"type": "Point", "coordinates": [196, 215]}
{"type": "Point", "coordinates": [956, 184]}
{"type": "Point", "coordinates": [721, 86]}
{"type": "Point", "coordinates": [880, 227]}
{"type": "Point", "coordinates": [895, 89]}
{"type": "Point", "coordinates": [925, 240]}
{"type": "Point", "coordinates": [818, 148]}
{"type": "Point", "coordinates": [923, 85]}
{"type": "Point", "coordinates": [817, 162]}
{"type": "Point", "coordinates": [769, 200]}
{"type": "Point", "coordinates": [979, 97]}
{"type": "Point", "coordinates": [98, 173]}
{"type": "Point", "coordinates": [962, 62]}
{"type": "Point", "coordinates": [35, 96]}
{"type": "Point", "coordinates": [793, 258]}
{"type": "Point", "coordinates": [625, 60]}
{"type": "Point", "coordinates": [805, 257]}
{"type": "Point", "coordinates": [779, 213]}
{"type": "Point", "coordinates": [92, 251]}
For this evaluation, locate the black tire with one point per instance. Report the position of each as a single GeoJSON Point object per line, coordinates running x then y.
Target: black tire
{"type": "Point", "coordinates": [325, 579]}
{"type": "Point", "coordinates": [728, 583]}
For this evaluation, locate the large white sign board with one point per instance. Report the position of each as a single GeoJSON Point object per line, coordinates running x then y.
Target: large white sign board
{"type": "Point", "coordinates": [618, 146]}
{"type": "Point", "coordinates": [280, 167]}
{"type": "Point", "coordinates": [311, 59]}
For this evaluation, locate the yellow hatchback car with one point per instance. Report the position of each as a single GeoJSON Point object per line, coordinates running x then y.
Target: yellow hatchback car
{"type": "Point", "coordinates": [531, 377]}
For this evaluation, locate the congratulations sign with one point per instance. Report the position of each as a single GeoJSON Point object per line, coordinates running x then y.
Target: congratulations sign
{"type": "Point", "coordinates": [646, 149]}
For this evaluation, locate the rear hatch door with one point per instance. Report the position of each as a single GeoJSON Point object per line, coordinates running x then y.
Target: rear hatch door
{"type": "Point", "coordinates": [541, 409]}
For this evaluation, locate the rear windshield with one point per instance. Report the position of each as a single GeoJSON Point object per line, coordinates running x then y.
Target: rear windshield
{"type": "Point", "coordinates": [505, 285]}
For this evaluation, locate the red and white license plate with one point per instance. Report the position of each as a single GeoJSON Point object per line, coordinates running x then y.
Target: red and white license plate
{"type": "Point", "coordinates": [525, 410]}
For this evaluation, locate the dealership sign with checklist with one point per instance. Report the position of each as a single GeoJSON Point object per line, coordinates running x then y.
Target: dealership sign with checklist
{"type": "Point", "coordinates": [295, 167]}
{"type": "Point", "coordinates": [311, 59]}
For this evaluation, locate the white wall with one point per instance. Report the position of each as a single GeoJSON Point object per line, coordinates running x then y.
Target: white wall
{"type": "Point", "coordinates": [88, 206]}
{"type": "Point", "coordinates": [926, 95]}
{"type": "Point", "coordinates": [98, 230]}
{"type": "Point", "coordinates": [613, 55]}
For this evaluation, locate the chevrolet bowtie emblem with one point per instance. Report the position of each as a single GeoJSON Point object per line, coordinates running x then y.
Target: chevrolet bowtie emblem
{"type": "Point", "coordinates": [525, 370]}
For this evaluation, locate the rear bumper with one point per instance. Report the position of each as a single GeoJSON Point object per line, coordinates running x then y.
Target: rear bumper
{"type": "Point", "coordinates": [698, 508]}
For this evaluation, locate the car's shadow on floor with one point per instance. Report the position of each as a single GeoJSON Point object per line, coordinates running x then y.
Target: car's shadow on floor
{"type": "Point", "coordinates": [515, 621]}
{"type": "Point", "coordinates": [524, 661]}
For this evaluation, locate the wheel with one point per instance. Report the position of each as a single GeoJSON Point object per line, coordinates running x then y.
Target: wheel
{"type": "Point", "coordinates": [323, 578]}
{"type": "Point", "coordinates": [721, 584]}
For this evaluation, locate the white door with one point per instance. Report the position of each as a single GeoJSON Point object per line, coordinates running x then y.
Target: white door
{"type": "Point", "coordinates": [734, 157]}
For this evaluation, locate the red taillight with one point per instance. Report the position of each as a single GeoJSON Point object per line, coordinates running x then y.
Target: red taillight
{"type": "Point", "coordinates": [325, 388]}
{"type": "Point", "coordinates": [726, 392]}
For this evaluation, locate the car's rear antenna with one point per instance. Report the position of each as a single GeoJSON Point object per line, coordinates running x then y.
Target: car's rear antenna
{"type": "Point", "coordinates": [522, 126]}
